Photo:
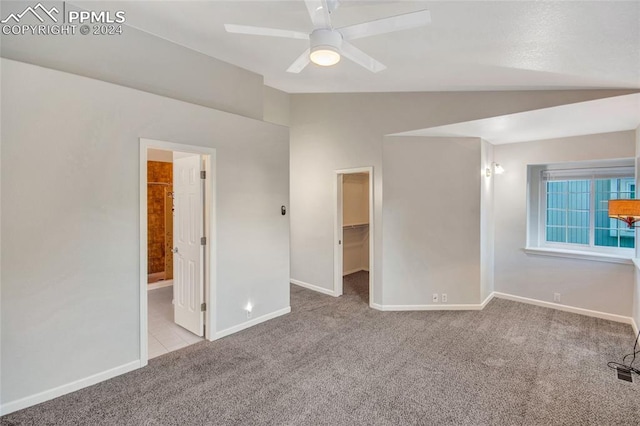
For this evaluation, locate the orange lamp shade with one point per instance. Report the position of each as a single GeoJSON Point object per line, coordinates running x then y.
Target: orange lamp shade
{"type": "Point", "coordinates": [627, 211]}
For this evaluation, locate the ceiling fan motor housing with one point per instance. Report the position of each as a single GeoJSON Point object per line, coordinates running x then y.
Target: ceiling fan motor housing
{"type": "Point", "coordinates": [325, 39]}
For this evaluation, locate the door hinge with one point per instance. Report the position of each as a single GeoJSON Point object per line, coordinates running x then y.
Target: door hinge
{"type": "Point", "coordinates": [203, 241]}
{"type": "Point", "coordinates": [203, 307]}
{"type": "Point", "coordinates": [203, 174]}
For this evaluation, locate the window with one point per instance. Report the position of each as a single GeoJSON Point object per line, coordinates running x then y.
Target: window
{"type": "Point", "coordinates": [569, 208]}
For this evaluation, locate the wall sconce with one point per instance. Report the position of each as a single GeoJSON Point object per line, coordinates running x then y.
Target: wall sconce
{"type": "Point", "coordinates": [497, 169]}
{"type": "Point", "coordinates": [627, 211]}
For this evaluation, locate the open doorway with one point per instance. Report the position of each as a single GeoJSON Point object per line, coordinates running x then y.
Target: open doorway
{"type": "Point", "coordinates": [159, 218]}
{"type": "Point", "coordinates": [354, 234]}
{"type": "Point", "coordinates": [176, 213]}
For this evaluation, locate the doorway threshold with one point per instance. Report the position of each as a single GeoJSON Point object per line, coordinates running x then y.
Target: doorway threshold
{"type": "Point", "coordinates": [159, 284]}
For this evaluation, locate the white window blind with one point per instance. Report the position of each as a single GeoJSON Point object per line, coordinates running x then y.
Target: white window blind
{"type": "Point", "coordinates": [591, 173]}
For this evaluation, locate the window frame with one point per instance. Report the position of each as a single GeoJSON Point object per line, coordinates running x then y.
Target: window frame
{"type": "Point", "coordinates": [631, 231]}
{"type": "Point", "coordinates": [537, 208]}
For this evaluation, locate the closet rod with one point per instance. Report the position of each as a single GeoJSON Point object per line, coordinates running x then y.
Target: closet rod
{"type": "Point", "coordinates": [158, 183]}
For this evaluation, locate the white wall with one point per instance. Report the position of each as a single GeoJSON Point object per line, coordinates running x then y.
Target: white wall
{"type": "Point", "coordinates": [340, 131]}
{"type": "Point", "coordinates": [276, 106]}
{"type": "Point", "coordinates": [636, 293]}
{"type": "Point", "coordinates": [431, 218]}
{"type": "Point", "coordinates": [487, 222]}
{"type": "Point", "coordinates": [599, 286]}
{"type": "Point", "coordinates": [142, 61]}
{"type": "Point", "coordinates": [70, 225]}
{"type": "Point", "coordinates": [1, 348]}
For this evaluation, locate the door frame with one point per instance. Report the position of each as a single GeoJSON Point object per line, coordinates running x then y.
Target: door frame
{"type": "Point", "coordinates": [338, 241]}
{"type": "Point", "coordinates": [209, 279]}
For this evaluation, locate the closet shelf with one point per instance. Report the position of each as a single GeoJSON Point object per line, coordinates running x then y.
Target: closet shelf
{"type": "Point", "coordinates": [355, 225]}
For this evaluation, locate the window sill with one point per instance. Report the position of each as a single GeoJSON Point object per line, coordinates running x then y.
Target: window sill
{"type": "Point", "coordinates": [581, 255]}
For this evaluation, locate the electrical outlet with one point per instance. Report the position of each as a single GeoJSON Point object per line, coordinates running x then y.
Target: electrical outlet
{"type": "Point", "coordinates": [556, 297]}
{"type": "Point", "coordinates": [444, 297]}
{"type": "Point", "coordinates": [248, 314]}
{"type": "Point", "coordinates": [435, 297]}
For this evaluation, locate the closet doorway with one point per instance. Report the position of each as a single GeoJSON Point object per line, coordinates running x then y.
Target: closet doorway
{"type": "Point", "coordinates": [353, 253]}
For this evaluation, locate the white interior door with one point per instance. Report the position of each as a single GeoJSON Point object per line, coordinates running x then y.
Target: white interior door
{"type": "Point", "coordinates": [188, 288]}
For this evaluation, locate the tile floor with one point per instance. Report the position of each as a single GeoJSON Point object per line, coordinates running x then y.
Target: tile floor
{"type": "Point", "coordinates": [165, 335]}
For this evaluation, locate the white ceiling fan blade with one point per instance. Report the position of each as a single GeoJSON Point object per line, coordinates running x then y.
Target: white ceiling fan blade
{"type": "Point", "coordinates": [361, 58]}
{"type": "Point", "coordinates": [387, 25]}
{"type": "Point", "coordinates": [300, 63]}
{"type": "Point", "coordinates": [319, 13]}
{"type": "Point", "coordinates": [261, 31]}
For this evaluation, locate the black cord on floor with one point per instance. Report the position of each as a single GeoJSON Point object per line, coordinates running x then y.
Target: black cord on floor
{"type": "Point", "coordinates": [629, 368]}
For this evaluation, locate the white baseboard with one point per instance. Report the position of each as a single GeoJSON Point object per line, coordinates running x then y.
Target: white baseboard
{"type": "Point", "coordinates": [313, 287]}
{"type": "Point", "coordinates": [439, 307]}
{"type": "Point", "coordinates": [478, 307]}
{"type": "Point", "coordinates": [47, 395]}
{"type": "Point", "coordinates": [255, 321]}
{"type": "Point", "coordinates": [635, 327]}
{"type": "Point", "coordinates": [376, 306]}
{"type": "Point", "coordinates": [487, 300]}
{"type": "Point", "coordinates": [565, 308]}
{"type": "Point", "coordinates": [159, 284]}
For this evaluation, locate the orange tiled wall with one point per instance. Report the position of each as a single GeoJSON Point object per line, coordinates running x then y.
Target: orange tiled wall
{"type": "Point", "coordinates": [157, 196]}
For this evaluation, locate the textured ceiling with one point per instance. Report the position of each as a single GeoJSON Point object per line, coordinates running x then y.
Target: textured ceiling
{"type": "Point", "coordinates": [472, 45]}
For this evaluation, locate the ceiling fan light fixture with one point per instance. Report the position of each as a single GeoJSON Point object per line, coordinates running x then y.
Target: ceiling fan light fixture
{"type": "Point", "coordinates": [324, 56]}
{"type": "Point", "coordinates": [327, 44]}
{"type": "Point", "coordinates": [325, 47]}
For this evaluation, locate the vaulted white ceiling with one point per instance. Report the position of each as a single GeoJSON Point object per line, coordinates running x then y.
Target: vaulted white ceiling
{"type": "Point", "coordinates": [472, 45]}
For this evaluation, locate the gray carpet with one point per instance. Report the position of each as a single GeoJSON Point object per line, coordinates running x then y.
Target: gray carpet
{"type": "Point", "coordinates": [335, 361]}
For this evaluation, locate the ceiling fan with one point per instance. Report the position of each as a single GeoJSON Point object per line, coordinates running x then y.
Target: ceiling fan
{"type": "Point", "coordinates": [328, 44]}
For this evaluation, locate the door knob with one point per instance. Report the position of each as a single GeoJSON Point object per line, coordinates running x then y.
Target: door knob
{"type": "Point", "coordinates": [175, 250]}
